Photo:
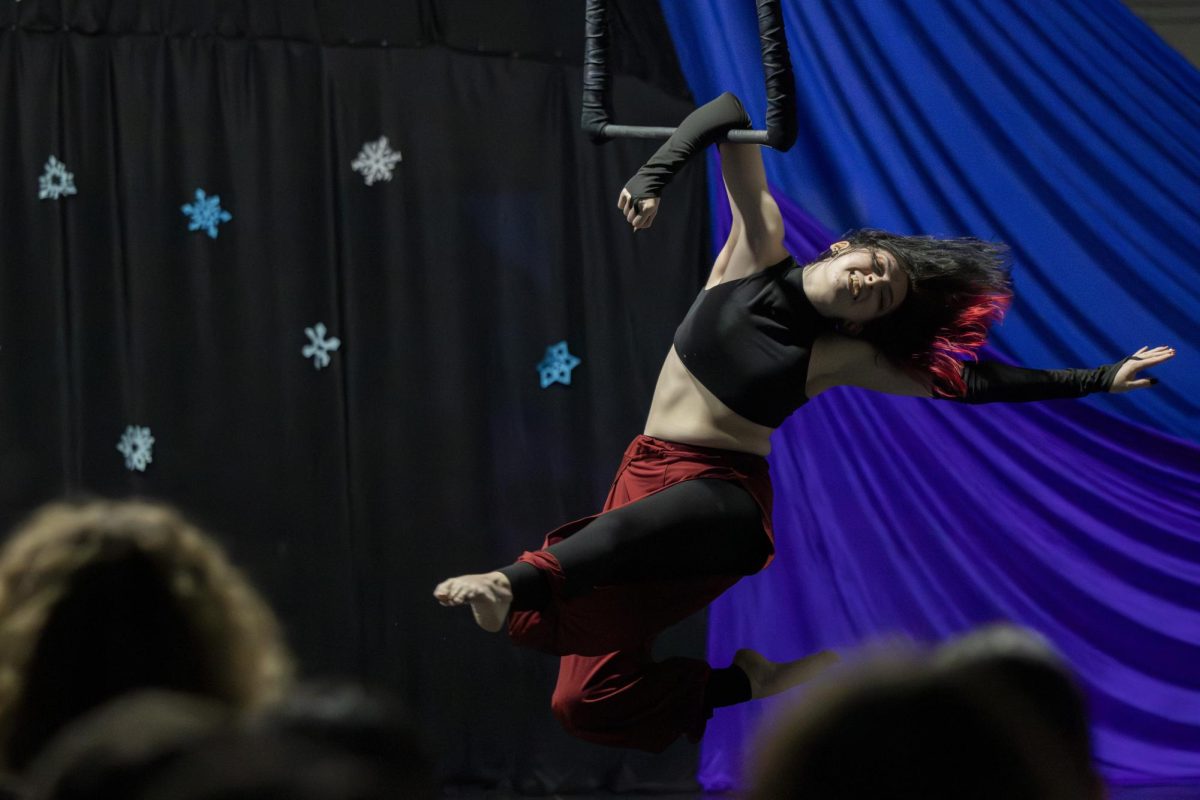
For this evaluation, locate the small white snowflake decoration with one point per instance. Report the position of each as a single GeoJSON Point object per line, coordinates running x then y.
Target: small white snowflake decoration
{"type": "Point", "coordinates": [136, 445]}
{"type": "Point", "coordinates": [206, 213]}
{"type": "Point", "coordinates": [376, 161]}
{"type": "Point", "coordinates": [55, 181]}
{"type": "Point", "coordinates": [319, 347]}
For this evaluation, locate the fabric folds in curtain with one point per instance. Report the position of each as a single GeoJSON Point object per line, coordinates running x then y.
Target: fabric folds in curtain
{"type": "Point", "coordinates": [1065, 133]}
{"type": "Point", "coordinates": [424, 445]}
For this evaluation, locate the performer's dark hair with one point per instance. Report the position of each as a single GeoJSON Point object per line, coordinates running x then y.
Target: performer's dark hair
{"type": "Point", "coordinates": [957, 288]}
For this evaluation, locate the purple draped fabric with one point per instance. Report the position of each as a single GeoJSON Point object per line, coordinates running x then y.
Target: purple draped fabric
{"type": "Point", "coordinates": [926, 518]}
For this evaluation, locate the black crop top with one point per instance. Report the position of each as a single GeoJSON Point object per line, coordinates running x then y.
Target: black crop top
{"type": "Point", "coordinates": [748, 342]}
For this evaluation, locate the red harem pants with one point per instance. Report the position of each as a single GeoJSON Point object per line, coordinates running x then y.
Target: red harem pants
{"type": "Point", "coordinates": [610, 690]}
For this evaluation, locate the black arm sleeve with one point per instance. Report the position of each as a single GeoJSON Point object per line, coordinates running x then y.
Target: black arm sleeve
{"type": "Point", "coordinates": [698, 130]}
{"type": "Point", "coordinates": [992, 382]}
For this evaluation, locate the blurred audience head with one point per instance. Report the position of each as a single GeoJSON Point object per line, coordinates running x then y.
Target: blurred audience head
{"type": "Point", "coordinates": [115, 750]}
{"type": "Point", "coordinates": [369, 724]}
{"type": "Point", "coordinates": [900, 727]}
{"type": "Point", "coordinates": [1020, 660]}
{"type": "Point", "coordinates": [322, 742]}
{"type": "Point", "coordinates": [273, 765]}
{"type": "Point", "coordinates": [104, 597]}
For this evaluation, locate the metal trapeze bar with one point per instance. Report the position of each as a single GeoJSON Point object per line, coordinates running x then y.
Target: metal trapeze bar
{"type": "Point", "coordinates": [780, 132]}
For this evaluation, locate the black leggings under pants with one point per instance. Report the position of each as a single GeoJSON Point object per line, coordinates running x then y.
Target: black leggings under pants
{"type": "Point", "coordinates": [694, 528]}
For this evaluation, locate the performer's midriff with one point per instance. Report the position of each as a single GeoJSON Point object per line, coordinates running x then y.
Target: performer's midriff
{"type": "Point", "coordinates": [738, 365]}
{"type": "Point", "coordinates": [683, 410]}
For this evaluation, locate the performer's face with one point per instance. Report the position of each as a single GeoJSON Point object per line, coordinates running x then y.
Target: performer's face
{"type": "Point", "coordinates": [859, 285]}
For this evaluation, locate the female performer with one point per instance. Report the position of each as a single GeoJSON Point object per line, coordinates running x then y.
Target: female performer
{"type": "Point", "coordinates": [689, 512]}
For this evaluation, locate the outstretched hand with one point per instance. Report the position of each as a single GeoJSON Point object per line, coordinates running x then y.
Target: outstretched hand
{"type": "Point", "coordinates": [640, 214]}
{"type": "Point", "coordinates": [1126, 378]}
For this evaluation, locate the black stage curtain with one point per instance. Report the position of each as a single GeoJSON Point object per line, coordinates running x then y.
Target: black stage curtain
{"type": "Point", "coordinates": [427, 447]}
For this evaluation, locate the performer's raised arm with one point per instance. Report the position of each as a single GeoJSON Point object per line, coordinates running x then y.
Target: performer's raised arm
{"type": "Point", "coordinates": [639, 199]}
{"type": "Point", "coordinates": [756, 235]}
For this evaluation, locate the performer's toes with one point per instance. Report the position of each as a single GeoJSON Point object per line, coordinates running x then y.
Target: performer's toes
{"type": "Point", "coordinates": [490, 596]}
{"type": "Point", "coordinates": [441, 592]}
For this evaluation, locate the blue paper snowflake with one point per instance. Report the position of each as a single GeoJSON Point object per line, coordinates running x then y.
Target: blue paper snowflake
{"type": "Point", "coordinates": [206, 213]}
{"type": "Point", "coordinates": [319, 347]}
{"type": "Point", "coordinates": [557, 365]}
{"type": "Point", "coordinates": [136, 445]}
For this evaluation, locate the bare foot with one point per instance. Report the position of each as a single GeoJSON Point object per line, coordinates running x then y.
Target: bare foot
{"type": "Point", "coordinates": [489, 594]}
{"type": "Point", "coordinates": [772, 677]}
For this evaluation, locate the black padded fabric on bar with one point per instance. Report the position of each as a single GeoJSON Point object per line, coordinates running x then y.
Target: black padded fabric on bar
{"type": "Point", "coordinates": [780, 84]}
{"type": "Point", "coordinates": [777, 71]}
{"type": "Point", "coordinates": [597, 99]}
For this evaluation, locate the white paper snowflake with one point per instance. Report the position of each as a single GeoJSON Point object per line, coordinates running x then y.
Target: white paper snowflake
{"type": "Point", "coordinates": [55, 182]}
{"type": "Point", "coordinates": [376, 161]}
{"type": "Point", "coordinates": [320, 347]}
{"type": "Point", "coordinates": [136, 445]}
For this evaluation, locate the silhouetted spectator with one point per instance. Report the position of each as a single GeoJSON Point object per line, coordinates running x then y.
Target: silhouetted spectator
{"type": "Point", "coordinates": [902, 728]}
{"type": "Point", "coordinates": [1023, 661]}
{"type": "Point", "coordinates": [101, 598]}
{"type": "Point", "coordinates": [368, 724]}
{"type": "Point", "coordinates": [269, 764]}
{"type": "Point", "coordinates": [114, 750]}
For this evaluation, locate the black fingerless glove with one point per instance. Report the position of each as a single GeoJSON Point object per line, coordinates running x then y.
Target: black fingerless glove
{"type": "Point", "coordinates": [700, 129]}
{"type": "Point", "coordinates": [992, 382]}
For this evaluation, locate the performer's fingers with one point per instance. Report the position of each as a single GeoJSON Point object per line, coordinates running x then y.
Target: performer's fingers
{"type": "Point", "coordinates": [624, 199]}
{"type": "Point", "coordinates": [1155, 357]}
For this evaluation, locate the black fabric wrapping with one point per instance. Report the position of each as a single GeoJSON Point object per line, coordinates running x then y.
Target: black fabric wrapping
{"type": "Point", "coordinates": [781, 83]}
{"type": "Point", "coordinates": [597, 104]}
{"type": "Point", "coordinates": [992, 382]}
{"type": "Point", "coordinates": [701, 128]}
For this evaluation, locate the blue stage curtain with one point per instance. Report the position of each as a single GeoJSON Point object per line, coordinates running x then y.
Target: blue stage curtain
{"type": "Point", "coordinates": [1068, 130]}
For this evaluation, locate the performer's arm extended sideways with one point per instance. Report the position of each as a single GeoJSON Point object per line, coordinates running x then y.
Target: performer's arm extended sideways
{"type": "Point", "coordinates": [845, 361]}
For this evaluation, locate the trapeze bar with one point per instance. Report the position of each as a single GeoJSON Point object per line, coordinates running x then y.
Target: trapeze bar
{"type": "Point", "coordinates": [780, 132]}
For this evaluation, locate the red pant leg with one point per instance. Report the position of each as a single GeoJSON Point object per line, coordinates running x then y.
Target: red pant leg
{"type": "Point", "coordinates": [626, 699]}
{"type": "Point", "coordinates": [610, 691]}
{"type": "Point", "coordinates": [613, 617]}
